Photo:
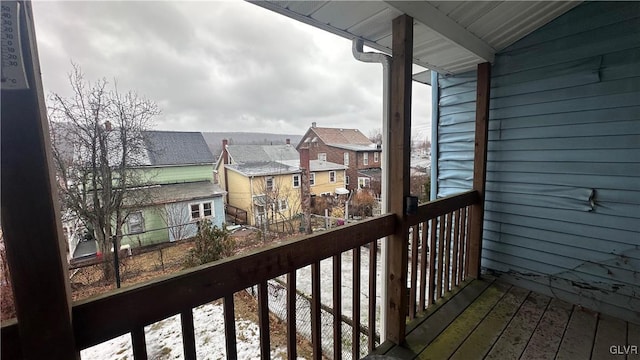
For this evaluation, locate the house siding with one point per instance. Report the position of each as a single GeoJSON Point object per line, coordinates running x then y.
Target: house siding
{"type": "Point", "coordinates": [323, 185]}
{"type": "Point", "coordinates": [178, 174]}
{"type": "Point", "coordinates": [563, 172]}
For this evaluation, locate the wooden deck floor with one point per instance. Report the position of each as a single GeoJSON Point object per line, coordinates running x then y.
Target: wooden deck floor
{"type": "Point", "coordinates": [488, 319]}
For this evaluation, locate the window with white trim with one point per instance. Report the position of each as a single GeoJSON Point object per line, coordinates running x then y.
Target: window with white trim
{"type": "Point", "coordinates": [365, 159]}
{"type": "Point", "coordinates": [376, 157]}
{"type": "Point", "coordinates": [322, 156]}
{"type": "Point", "coordinates": [332, 176]}
{"type": "Point", "coordinates": [346, 179]}
{"type": "Point", "coordinates": [312, 179]}
{"type": "Point", "coordinates": [283, 204]}
{"type": "Point", "coordinates": [135, 222]}
{"type": "Point", "coordinates": [363, 182]}
{"type": "Point", "coordinates": [201, 210]}
{"type": "Point", "coordinates": [268, 184]}
{"type": "Point", "coordinates": [296, 180]}
{"type": "Point", "coordinates": [346, 158]}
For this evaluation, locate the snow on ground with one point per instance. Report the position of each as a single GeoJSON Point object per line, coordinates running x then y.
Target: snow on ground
{"type": "Point", "coordinates": [164, 339]}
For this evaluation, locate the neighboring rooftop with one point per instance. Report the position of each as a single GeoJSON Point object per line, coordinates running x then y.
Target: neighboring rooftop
{"type": "Point", "coordinates": [245, 154]}
{"type": "Point", "coordinates": [177, 148]}
{"type": "Point", "coordinates": [264, 168]}
{"type": "Point", "coordinates": [214, 139]}
{"type": "Point", "coordinates": [162, 194]}
{"type": "Point", "coordinates": [335, 136]}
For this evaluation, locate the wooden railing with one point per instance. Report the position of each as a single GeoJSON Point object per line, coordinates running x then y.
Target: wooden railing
{"type": "Point", "coordinates": [438, 246]}
{"type": "Point", "coordinates": [438, 249]}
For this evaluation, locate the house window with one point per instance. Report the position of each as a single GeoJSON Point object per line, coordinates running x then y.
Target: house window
{"type": "Point", "coordinates": [322, 156]}
{"type": "Point", "coordinates": [269, 184]}
{"type": "Point", "coordinates": [365, 159]}
{"type": "Point", "coordinates": [135, 222]}
{"type": "Point", "coordinates": [195, 211]}
{"type": "Point", "coordinates": [363, 182]}
{"type": "Point", "coordinates": [312, 179]}
{"type": "Point", "coordinates": [346, 179]}
{"type": "Point", "coordinates": [206, 209]}
{"type": "Point", "coordinates": [346, 159]}
{"type": "Point", "coordinates": [376, 157]}
{"type": "Point", "coordinates": [332, 176]}
{"type": "Point", "coordinates": [282, 204]}
{"type": "Point", "coordinates": [201, 210]}
{"type": "Point", "coordinates": [296, 181]}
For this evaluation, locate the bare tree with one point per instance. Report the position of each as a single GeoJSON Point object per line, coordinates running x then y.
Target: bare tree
{"type": "Point", "coordinates": [98, 140]}
{"type": "Point", "coordinates": [375, 136]}
{"type": "Point", "coordinates": [177, 218]}
{"type": "Point", "coordinates": [281, 202]}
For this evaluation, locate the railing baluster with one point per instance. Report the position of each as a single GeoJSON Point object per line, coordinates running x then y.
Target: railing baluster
{"type": "Point", "coordinates": [263, 320]}
{"type": "Point", "coordinates": [292, 353]}
{"type": "Point", "coordinates": [423, 265]}
{"type": "Point", "coordinates": [138, 343]}
{"type": "Point", "coordinates": [230, 327]}
{"type": "Point", "coordinates": [316, 323]}
{"type": "Point", "coordinates": [373, 270]}
{"type": "Point", "coordinates": [447, 254]}
{"type": "Point", "coordinates": [188, 335]}
{"type": "Point", "coordinates": [455, 278]}
{"type": "Point", "coordinates": [414, 273]}
{"type": "Point", "coordinates": [467, 244]}
{"type": "Point", "coordinates": [355, 344]}
{"type": "Point", "coordinates": [432, 261]}
{"type": "Point", "coordinates": [440, 277]}
{"type": "Point", "coordinates": [337, 307]}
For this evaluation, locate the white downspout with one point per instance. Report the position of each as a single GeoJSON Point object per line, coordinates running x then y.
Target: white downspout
{"type": "Point", "coordinates": [385, 60]}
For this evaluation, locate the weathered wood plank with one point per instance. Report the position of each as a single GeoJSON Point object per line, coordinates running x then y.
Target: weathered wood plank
{"type": "Point", "coordinates": [546, 338]}
{"type": "Point", "coordinates": [422, 303]}
{"type": "Point", "coordinates": [478, 344]}
{"type": "Point", "coordinates": [453, 336]}
{"type": "Point", "coordinates": [34, 244]}
{"type": "Point", "coordinates": [443, 206]}
{"type": "Point", "coordinates": [373, 269]}
{"type": "Point", "coordinates": [479, 166]}
{"type": "Point", "coordinates": [414, 273]}
{"type": "Point", "coordinates": [138, 343]}
{"type": "Point", "coordinates": [188, 335]}
{"type": "Point", "coordinates": [467, 245]}
{"type": "Point", "coordinates": [462, 246]}
{"type": "Point", "coordinates": [447, 254]}
{"type": "Point", "coordinates": [337, 307]}
{"type": "Point", "coordinates": [316, 321]}
{"type": "Point", "coordinates": [292, 352]}
{"type": "Point", "coordinates": [437, 321]}
{"type": "Point", "coordinates": [399, 162]}
{"type": "Point", "coordinates": [117, 313]}
{"type": "Point", "coordinates": [455, 280]}
{"type": "Point", "coordinates": [440, 265]}
{"type": "Point", "coordinates": [578, 337]}
{"type": "Point", "coordinates": [515, 337]}
{"type": "Point", "coordinates": [230, 327]}
{"type": "Point", "coordinates": [610, 332]}
{"type": "Point", "coordinates": [432, 262]}
{"type": "Point", "coordinates": [263, 320]}
{"type": "Point", "coordinates": [355, 340]}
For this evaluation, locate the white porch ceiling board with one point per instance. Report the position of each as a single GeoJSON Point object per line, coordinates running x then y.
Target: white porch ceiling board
{"type": "Point", "coordinates": [377, 26]}
{"type": "Point", "coordinates": [345, 14]}
{"type": "Point", "coordinates": [428, 15]}
{"type": "Point", "coordinates": [446, 7]}
{"type": "Point", "coordinates": [305, 8]}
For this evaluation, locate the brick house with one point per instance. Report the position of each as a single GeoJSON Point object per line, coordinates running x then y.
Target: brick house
{"type": "Point", "coordinates": [349, 147]}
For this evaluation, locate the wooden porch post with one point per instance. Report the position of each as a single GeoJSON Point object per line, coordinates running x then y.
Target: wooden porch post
{"type": "Point", "coordinates": [479, 166]}
{"type": "Point", "coordinates": [399, 156]}
{"type": "Point", "coordinates": [36, 249]}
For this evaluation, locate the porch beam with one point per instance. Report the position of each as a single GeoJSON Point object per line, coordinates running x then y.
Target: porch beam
{"type": "Point", "coordinates": [479, 167]}
{"type": "Point", "coordinates": [36, 249]}
{"type": "Point", "coordinates": [399, 157]}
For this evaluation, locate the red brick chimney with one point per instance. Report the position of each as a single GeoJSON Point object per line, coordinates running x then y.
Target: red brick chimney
{"type": "Point", "coordinates": [288, 141]}
{"type": "Point", "coordinates": [304, 159]}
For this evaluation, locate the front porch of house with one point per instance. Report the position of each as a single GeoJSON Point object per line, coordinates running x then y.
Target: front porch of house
{"type": "Point", "coordinates": [490, 319]}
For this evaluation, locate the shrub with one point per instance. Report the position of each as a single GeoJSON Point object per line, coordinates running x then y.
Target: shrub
{"type": "Point", "coordinates": [211, 243]}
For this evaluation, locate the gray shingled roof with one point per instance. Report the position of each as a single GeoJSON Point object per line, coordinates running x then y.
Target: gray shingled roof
{"type": "Point", "coordinates": [177, 148]}
{"type": "Point", "coordinates": [245, 154]}
{"type": "Point", "coordinates": [264, 168]}
{"type": "Point", "coordinates": [170, 193]}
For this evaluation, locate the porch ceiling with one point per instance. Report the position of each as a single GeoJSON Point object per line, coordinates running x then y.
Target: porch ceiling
{"type": "Point", "coordinates": [450, 37]}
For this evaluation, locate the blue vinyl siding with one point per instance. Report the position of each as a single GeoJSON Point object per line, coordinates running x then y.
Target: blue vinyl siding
{"type": "Point", "coordinates": [563, 182]}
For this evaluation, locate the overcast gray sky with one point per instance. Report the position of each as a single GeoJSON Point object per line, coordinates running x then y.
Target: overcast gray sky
{"type": "Point", "coordinates": [217, 66]}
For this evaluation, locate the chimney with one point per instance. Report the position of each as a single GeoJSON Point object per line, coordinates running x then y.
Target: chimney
{"type": "Point", "coordinates": [304, 159]}
{"type": "Point", "coordinates": [288, 141]}
{"type": "Point", "coordinates": [313, 124]}
{"type": "Point", "coordinates": [107, 125]}
{"type": "Point", "coordinates": [225, 154]}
